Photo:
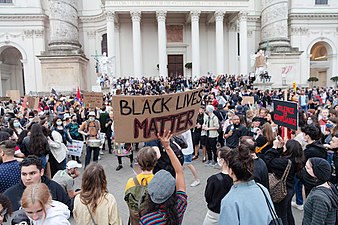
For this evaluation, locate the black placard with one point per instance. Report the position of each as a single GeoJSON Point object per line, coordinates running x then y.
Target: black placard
{"type": "Point", "coordinates": [285, 114]}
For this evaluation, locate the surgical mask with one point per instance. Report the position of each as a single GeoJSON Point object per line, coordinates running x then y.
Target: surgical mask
{"type": "Point", "coordinates": [91, 119]}
{"type": "Point", "coordinates": [219, 162]}
{"type": "Point", "coordinates": [17, 124]}
{"type": "Point", "coordinates": [59, 123]}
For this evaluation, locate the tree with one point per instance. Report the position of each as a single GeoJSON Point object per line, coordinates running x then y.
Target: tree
{"type": "Point", "coordinates": [335, 79]}
{"type": "Point", "coordinates": [312, 79]}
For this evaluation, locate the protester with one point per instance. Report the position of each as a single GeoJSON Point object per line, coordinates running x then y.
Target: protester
{"type": "Point", "coordinates": [233, 132]}
{"type": "Point", "coordinates": [41, 209]}
{"type": "Point", "coordinates": [210, 128]}
{"type": "Point", "coordinates": [198, 139]}
{"type": "Point", "coordinates": [95, 205]}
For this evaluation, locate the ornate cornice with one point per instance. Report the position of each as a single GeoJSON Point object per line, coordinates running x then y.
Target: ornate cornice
{"type": "Point", "coordinates": [91, 19]}
{"type": "Point", "coordinates": [316, 16]}
{"type": "Point", "coordinates": [110, 16]}
{"type": "Point", "coordinates": [299, 30]}
{"type": "Point", "coordinates": [23, 17]}
{"type": "Point", "coordinates": [242, 16]}
{"type": "Point", "coordinates": [253, 18]}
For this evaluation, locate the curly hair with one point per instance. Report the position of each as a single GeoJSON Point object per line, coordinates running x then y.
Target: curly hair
{"type": "Point", "coordinates": [94, 185]}
{"type": "Point", "coordinates": [6, 204]}
{"type": "Point", "coordinates": [170, 209]}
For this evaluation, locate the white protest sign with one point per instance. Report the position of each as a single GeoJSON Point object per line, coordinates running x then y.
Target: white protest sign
{"type": "Point", "coordinates": [75, 148]}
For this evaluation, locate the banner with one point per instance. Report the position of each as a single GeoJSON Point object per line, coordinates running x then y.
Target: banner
{"type": "Point", "coordinates": [248, 100]}
{"type": "Point", "coordinates": [92, 99]}
{"type": "Point", "coordinates": [140, 118]}
{"type": "Point", "coordinates": [285, 114]}
{"type": "Point", "coordinates": [75, 148]}
{"type": "Point", "coordinates": [13, 94]}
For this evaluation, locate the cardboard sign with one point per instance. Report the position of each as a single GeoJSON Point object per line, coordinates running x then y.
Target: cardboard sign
{"type": "Point", "coordinates": [285, 114]}
{"type": "Point", "coordinates": [92, 99]}
{"type": "Point", "coordinates": [75, 148]}
{"type": "Point", "coordinates": [140, 118]}
{"type": "Point", "coordinates": [248, 100]}
{"type": "Point", "coordinates": [13, 94]}
{"type": "Point", "coordinates": [32, 102]}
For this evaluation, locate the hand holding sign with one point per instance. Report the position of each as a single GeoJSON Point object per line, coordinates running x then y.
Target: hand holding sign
{"type": "Point", "coordinates": [165, 138]}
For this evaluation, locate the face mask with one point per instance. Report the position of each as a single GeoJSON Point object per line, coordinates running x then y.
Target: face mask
{"type": "Point", "coordinates": [17, 124]}
{"type": "Point", "coordinates": [219, 162]}
{"type": "Point", "coordinates": [74, 120]}
{"type": "Point", "coordinates": [91, 119]}
{"type": "Point", "coordinates": [59, 123]}
{"type": "Point", "coordinates": [309, 122]}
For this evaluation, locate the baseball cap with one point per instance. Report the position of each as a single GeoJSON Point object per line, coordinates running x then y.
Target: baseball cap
{"type": "Point", "coordinates": [92, 113]}
{"type": "Point", "coordinates": [73, 164]}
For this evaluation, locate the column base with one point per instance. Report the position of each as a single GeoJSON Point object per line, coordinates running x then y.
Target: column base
{"type": "Point", "coordinates": [63, 72]}
{"type": "Point", "coordinates": [276, 45]}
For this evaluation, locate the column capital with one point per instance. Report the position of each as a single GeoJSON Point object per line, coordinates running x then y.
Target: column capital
{"type": "Point", "coordinates": [110, 16]}
{"type": "Point", "coordinates": [219, 16]}
{"type": "Point", "coordinates": [195, 15]}
{"type": "Point", "coordinates": [161, 15]}
{"type": "Point", "coordinates": [135, 16]}
{"type": "Point", "coordinates": [242, 16]}
{"type": "Point", "coordinates": [117, 27]}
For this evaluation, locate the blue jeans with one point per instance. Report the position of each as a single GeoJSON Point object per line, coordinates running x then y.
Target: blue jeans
{"type": "Point", "coordinates": [298, 191]}
{"type": "Point", "coordinates": [304, 107]}
{"type": "Point", "coordinates": [89, 154]}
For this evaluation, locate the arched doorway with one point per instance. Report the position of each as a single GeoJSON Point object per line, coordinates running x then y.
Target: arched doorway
{"type": "Point", "coordinates": [11, 70]}
{"type": "Point", "coordinates": [320, 63]}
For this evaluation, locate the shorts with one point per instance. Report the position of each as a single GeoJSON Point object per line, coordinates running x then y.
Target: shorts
{"type": "Point", "coordinates": [196, 138]}
{"type": "Point", "coordinates": [187, 159]}
{"type": "Point", "coordinates": [204, 140]}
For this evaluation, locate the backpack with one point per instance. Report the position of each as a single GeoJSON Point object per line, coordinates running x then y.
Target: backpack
{"type": "Point", "coordinates": [137, 200]}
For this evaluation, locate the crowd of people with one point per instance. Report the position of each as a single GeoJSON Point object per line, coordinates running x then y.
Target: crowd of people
{"type": "Point", "coordinates": [263, 166]}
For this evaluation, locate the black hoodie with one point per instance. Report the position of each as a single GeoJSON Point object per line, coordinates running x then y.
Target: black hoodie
{"type": "Point", "coordinates": [315, 149]}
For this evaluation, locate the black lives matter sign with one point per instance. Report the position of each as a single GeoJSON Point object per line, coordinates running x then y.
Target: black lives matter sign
{"type": "Point", "coordinates": [140, 118]}
{"type": "Point", "coordinates": [285, 114]}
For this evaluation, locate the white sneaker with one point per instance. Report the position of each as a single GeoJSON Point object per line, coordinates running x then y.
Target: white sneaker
{"type": "Point", "coordinates": [299, 207]}
{"type": "Point", "coordinates": [195, 183]}
{"type": "Point", "coordinates": [101, 152]}
{"type": "Point", "coordinates": [99, 157]}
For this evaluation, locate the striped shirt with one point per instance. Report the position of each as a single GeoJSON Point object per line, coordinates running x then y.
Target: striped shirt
{"type": "Point", "coordinates": [159, 217]}
{"type": "Point", "coordinates": [318, 208]}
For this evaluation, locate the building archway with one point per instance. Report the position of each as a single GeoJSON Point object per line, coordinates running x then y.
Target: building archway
{"type": "Point", "coordinates": [320, 62]}
{"type": "Point", "coordinates": [11, 70]}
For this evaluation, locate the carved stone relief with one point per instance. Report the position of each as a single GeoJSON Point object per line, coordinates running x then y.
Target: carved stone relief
{"type": "Point", "coordinates": [175, 33]}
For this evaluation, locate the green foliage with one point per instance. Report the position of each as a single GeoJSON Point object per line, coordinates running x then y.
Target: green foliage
{"type": "Point", "coordinates": [334, 79]}
{"type": "Point", "coordinates": [313, 79]}
{"type": "Point", "coordinates": [188, 65]}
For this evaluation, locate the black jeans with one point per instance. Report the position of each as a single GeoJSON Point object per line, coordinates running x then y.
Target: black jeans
{"type": "Point", "coordinates": [89, 154]}
{"type": "Point", "coordinates": [211, 148]}
{"type": "Point", "coordinates": [221, 138]}
{"type": "Point", "coordinates": [119, 158]}
{"type": "Point", "coordinates": [283, 209]}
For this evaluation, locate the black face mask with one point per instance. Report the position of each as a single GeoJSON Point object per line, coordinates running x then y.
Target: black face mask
{"type": "Point", "coordinates": [310, 180]}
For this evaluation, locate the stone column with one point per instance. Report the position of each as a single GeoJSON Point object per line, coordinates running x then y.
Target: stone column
{"type": "Point", "coordinates": [274, 25]}
{"type": "Point", "coordinates": [219, 16]}
{"type": "Point", "coordinates": [64, 31]}
{"type": "Point", "coordinates": [117, 51]}
{"type": "Point", "coordinates": [162, 43]}
{"type": "Point", "coordinates": [243, 40]}
{"type": "Point", "coordinates": [195, 43]}
{"type": "Point", "coordinates": [111, 40]}
{"type": "Point", "coordinates": [136, 19]}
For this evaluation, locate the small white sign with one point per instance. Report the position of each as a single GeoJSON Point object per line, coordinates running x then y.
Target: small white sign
{"type": "Point", "coordinates": [75, 148]}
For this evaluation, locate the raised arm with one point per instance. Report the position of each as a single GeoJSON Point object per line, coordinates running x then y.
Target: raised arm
{"type": "Point", "coordinates": [180, 182]}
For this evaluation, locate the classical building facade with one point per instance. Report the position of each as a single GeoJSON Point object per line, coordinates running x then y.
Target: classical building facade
{"type": "Point", "coordinates": [57, 44]}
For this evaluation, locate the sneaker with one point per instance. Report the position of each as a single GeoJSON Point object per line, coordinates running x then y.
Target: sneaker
{"type": "Point", "coordinates": [207, 163]}
{"type": "Point", "coordinates": [299, 207]}
{"type": "Point", "coordinates": [99, 157]}
{"type": "Point", "coordinates": [195, 183]}
{"type": "Point", "coordinates": [213, 163]}
{"type": "Point", "coordinates": [131, 165]}
{"type": "Point", "coordinates": [101, 152]}
{"type": "Point", "coordinates": [119, 167]}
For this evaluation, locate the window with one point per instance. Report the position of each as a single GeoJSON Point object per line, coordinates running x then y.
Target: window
{"type": "Point", "coordinates": [321, 2]}
{"type": "Point", "coordinates": [104, 44]}
{"type": "Point", "coordinates": [6, 1]}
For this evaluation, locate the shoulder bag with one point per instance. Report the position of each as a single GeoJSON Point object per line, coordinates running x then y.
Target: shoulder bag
{"type": "Point", "coordinates": [275, 219]}
{"type": "Point", "coordinates": [277, 187]}
{"type": "Point", "coordinates": [91, 216]}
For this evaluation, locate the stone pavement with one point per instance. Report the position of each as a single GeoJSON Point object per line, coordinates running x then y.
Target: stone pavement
{"type": "Point", "coordinates": [196, 203]}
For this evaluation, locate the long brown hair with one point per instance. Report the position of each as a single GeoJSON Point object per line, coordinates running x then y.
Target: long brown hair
{"type": "Point", "coordinates": [94, 185]}
{"type": "Point", "coordinates": [267, 132]}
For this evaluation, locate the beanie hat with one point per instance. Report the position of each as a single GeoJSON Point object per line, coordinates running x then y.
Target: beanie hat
{"type": "Point", "coordinates": [161, 187]}
{"type": "Point", "coordinates": [321, 168]}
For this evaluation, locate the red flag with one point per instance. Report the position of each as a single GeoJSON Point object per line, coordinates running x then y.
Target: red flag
{"type": "Point", "coordinates": [78, 94]}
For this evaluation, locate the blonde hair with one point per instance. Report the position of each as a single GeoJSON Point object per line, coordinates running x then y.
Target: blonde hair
{"type": "Point", "coordinates": [36, 193]}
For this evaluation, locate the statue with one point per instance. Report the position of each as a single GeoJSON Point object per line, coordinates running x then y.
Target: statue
{"type": "Point", "coordinates": [260, 62]}
{"type": "Point", "coordinates": [105, 65]}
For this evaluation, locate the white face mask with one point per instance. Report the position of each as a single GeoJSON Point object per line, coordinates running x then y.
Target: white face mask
{"type": "Point", "coordinates": [59, 123]}
{"type": "Point", "coordinates": [220, 163]}
{"type": "Point", "coordinates": [91, 118]}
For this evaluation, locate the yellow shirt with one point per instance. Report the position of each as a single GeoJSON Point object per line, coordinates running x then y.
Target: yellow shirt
{"type": "Point", "coordinates": [139, 177]}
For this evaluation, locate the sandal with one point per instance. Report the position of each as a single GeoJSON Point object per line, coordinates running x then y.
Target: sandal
{"type": "Point", "coordinates": [195, 157]}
